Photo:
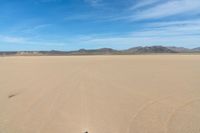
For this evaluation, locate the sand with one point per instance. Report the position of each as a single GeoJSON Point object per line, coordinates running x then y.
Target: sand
{"type": "Point", "coordinates": [100, 94]}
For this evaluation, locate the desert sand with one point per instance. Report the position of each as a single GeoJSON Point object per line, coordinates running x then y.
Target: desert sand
{"type": "Point", "coordinates": [100, 94]}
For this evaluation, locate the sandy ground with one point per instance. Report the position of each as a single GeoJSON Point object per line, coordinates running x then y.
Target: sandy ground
{"type": "Point", "coordinates": [100, 94]}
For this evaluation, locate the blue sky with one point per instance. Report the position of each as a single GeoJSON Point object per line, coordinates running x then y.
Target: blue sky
{"type": "Point", "coordinates": [119, 24]}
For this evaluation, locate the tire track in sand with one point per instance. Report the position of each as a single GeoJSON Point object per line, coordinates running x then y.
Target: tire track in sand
{"type": "Point", "coordinates": [141, 109]}
{"type": "Point", "coordinates": [37, 102]}
{"type": "Point", "coordinates": [176, 111]}
{"type": "Point", "coordinates": [77, 85]}
{"type": "Point", "coordinates": [54, 102]}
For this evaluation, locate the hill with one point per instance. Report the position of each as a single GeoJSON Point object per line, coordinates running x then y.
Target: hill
{"type": "Point", "coordinates": [105, 51]}
{"type": "Point", "coordinates": [152, 49]}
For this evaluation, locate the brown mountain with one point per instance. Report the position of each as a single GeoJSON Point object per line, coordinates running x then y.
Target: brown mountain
{"type": "Point", "coordinates": [152, 49]}
{"type": "Point", "coordinates": [106, 51]}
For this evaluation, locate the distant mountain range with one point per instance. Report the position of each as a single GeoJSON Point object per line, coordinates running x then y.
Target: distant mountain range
{"type": "Point", "coordinates": [106, 51]}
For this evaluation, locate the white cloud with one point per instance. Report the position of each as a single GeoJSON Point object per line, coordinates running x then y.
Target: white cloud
{"type": "Point", "coordinates": [94, 2]}
{"type": "Point", "coordinates": [35, 28]}
{"type": "Point", "coordinates": [194, 22]}
{"type": "Point", "coordinates": [156, 9]}
{"type": "Point", "coordinates": [12, 39]}
{"type": "Point", "coordinates": [143, 3]}
{"type": "Point", "coordinates": [169, 34]}
{"type": "Point", "coordinates": [29, 41]}
{"type": "Point", "coordinates": [122, 42]}
{"type": "Point", "coordinates": [170, 8]}
{"type": "Point", "coordinates": [174, 28]}
{"type": "Point", "coordinates": [78, 17]}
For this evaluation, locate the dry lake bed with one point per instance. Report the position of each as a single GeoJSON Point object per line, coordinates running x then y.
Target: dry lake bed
{"type": "Point", "coordinates": [100, 94]}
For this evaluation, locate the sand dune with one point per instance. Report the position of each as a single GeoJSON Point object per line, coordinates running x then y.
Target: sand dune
{"type": "Point", "coordinates": [100, 94]}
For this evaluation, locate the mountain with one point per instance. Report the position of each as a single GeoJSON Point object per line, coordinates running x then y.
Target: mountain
{"type": "Point", "coordinates": [102, 51]}
{"type": "Point", "coordinates": [180, 49]}
{"type": "Point", "coordinates": [7, 53]}
{"type": "Point", "coordinates": [105, 51]}
{"type": "Point", "coordinates": [152, 49]}
{"type": "Point", "coordinates": [196, 49]}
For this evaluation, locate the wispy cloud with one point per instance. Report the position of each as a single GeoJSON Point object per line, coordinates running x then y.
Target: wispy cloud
{"type": "Point", "coordinates": [94, 2]}
{"type": "Point", "coordinates": [78, 17]}
{"type": "Point", "coordinates": [12, 39]}
{"type": "Point", "coordinates": [35, 28]}
{"type": "Point", "coordinates": [143, 3]}
{"type": "Point", "coordinates": [129, 40]}
{"type": "Point", "coordinates": [172, 28]}
{"type": "Point", "coordinates": [194, 22]}
{"type": "Point", "coordinates": [153, 10]}
{"type": "Point", "coordinates": [159, 33]}
{"type": "Point", "coordinates": [29, 42]}
{"type": "Point", "coordinates": [169, 8]}
{"type": "Point", "coordinates": [111, 24]}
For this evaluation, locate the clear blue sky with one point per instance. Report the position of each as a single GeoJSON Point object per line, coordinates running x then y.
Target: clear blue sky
{"type": "Point", "coordinates": [120, 24]}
